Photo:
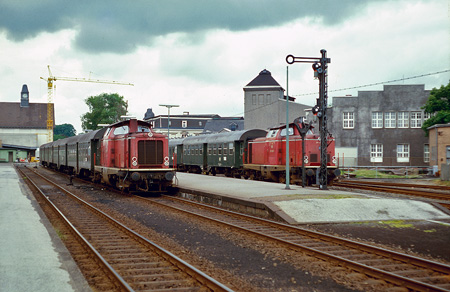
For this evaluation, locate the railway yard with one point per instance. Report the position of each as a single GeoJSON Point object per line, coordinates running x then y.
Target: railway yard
{"type": "Point", "coordinates": [249, 236]}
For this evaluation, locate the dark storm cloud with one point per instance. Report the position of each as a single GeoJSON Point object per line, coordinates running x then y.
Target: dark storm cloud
{"type": "Point", "coordinates": [120, 26]}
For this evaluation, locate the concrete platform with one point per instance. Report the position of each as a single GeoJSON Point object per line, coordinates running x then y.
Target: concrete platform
{"type": "Point", "coordinates": [303, 205]}
{"type": "Point", "coordinates": [32, 257]}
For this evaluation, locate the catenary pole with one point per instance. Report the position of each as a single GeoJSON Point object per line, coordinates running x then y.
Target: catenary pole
{"type": "Point", "coordinates": [287, 129]}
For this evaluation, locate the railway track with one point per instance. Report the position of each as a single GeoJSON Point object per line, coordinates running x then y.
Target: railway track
{"type": "Point", "coordinates": [133, 263]}
{"type": "Point", "coordinates": [399, 269]}
{"type": "Point", "coordinates": [425, 191]}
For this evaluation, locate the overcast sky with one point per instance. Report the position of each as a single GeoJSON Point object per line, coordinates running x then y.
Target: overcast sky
{"type": "Point", "coordinates": [200, 54]}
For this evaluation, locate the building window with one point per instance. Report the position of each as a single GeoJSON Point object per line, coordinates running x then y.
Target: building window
{"type": "Point", "coordinates": [376, 153]}
{"type": "Point", "coordinates": [261, 99]}
{"type": "Point", "coordinates": [403, 119]}
{"type": "Point", "coordinates": [254, 99]}
{"type": "Point", "coordinates": [416, 119]}
{"type": "Point", "coordinates": [348, 120]}
{"type": "Point", "coordinates": [184, 124]}
{"type": "Point", "coordinates": [377, 120]}
{"type": "Point", "coordinates": [426, 116]}
{"type": "Point", "coordinates": [390, 120]}
{"type": "Point", "coordinates": [426, 153]}
{"type": "Point", "coordinates": [402, 152]}
{"type": "Point", "coordinates": [268, 99]}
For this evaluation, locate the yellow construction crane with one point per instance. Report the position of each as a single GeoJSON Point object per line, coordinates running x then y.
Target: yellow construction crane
{"type": "Point", "coordinates": [50, 81]}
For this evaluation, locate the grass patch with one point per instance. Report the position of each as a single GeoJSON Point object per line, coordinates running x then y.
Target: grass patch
{"type": "Point", "coordinates": [397, 224]}
{"type": "Point", "coordinates": [442, 182]}
{"type": "Point", "coordinates": [370, 173]}
{"type": "Point", "coordinates": [61, 235]}
{"type": "Point", "coordinates": [430, 230]}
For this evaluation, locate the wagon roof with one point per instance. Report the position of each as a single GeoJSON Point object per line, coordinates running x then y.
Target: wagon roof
{"type": "Point", "coordinates": [176, 141]}
{"type": "Point", "coordinates": [225, 137]}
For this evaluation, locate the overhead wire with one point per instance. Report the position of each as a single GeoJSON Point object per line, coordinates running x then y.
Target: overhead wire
{"type": "Point", "coordinates": [349, 88]}
{"type": "Point", "coordinates": [378, 83]}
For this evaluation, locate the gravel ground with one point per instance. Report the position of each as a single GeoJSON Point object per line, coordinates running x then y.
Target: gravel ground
{"type": "Point", "coordinates": [249, 266]}
{"type": "Point", "coordinates": [424, 238]}
{"type": "Point", "coordinates": [244, 264]}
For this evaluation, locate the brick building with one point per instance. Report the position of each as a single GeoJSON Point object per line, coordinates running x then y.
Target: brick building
{"type": "Point", "coordinates": [381, 128]}
{"type": "Point", "coordinates": [439, 145]}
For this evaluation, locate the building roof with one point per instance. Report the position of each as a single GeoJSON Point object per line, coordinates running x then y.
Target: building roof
{"type": "Point", "coordinates": [264, 79]}
{"type": "Point", "coordinates": [439, 126]}
{"type": "Point", "coordinates": [34, 116]}
{"type": "Point", "coordinates": [218, 124]}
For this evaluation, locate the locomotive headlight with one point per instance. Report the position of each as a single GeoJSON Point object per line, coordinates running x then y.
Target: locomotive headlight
{"type": "Point", "coordinates": [337, 172]}
{"type": "Point", "coordinates": [169, 176]}
{"type": "Point", "coordinates": [135, 176]}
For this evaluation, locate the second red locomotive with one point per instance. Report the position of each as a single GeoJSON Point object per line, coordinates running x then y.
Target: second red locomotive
{"type": "Point", "coordinates": [266, 156]}
{"type": "Point", "coordinates": [255, 154]}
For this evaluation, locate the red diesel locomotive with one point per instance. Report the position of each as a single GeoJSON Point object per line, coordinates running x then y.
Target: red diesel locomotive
{"type": "Point", "coordinates": [266, 157]}
{"type": "Point", "coordinates": [256, 154]}
{"type": "Point", "coordinates": [128, 155]}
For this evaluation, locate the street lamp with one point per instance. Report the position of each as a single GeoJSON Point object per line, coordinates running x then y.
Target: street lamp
{"type": "Point", "coordinates": [168, 106]}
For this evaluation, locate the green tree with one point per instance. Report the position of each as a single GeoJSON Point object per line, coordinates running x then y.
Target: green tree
{"type": "Point", "coordinates": [103, 109]}
{"type": "Point", "coordinates": [63, 131]}
{"type": "Point", "coordinates": [438, 105]}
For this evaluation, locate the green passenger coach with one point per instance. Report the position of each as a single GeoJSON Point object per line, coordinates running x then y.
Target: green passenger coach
{"type": "Point", "coordinates": [213, 153]}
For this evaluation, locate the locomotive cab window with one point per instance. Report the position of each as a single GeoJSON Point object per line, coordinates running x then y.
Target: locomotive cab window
{"type": "Point", "coordinates": [143, 129]}
{"type": "Point", "coordinates": [283, 132]}
{"type": "Point", "coordinates": [272, 133]}
{"type": "Point", "coordinates": [121, 130]}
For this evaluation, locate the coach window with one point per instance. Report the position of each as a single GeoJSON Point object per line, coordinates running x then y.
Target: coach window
{"type": "Point", "coordinates": [209, 149]}
{"type": "Point", "coordinates": [231, 147]}
{"type": "Point", "coordinates": [225, 149]}
{"type": "Point", "coordinates": [200, 151]}
{"type": "Point", "coordinates": [220, 149]}
{"type": "Point", "coordinates": [214, 149]}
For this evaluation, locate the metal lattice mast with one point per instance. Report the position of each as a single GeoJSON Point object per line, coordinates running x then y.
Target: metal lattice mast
{"type": "Point", "coordinates": [323, 100]}
{"type": "Point", "coordinates": [320, 67]}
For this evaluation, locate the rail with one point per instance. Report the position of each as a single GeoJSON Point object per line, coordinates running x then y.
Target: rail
{"type": "Point", "coordinates": [397, 268]}
{"type": "Point", "coordinates": [121, 249]}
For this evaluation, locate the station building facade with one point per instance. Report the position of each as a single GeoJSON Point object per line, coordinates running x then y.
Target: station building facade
{"type": "Point", "coordinates": [23, 127]}
{"type": "Point", "coordinates": [381, 128]}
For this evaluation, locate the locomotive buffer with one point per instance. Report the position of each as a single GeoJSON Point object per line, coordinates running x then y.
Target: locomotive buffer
{"type": "Point", "coordinates": [320, 66]}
